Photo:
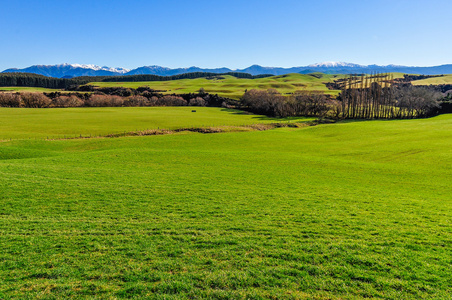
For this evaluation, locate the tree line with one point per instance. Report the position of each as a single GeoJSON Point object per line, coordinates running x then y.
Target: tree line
{"type": "Point", "coordinates": [374, 96]}
{"type": "Point", "coordinates": [35, 80]}
{"type": "Point", "coordinates": [111, 97]}
{"type": "Point", "coordinates": [378, 96]}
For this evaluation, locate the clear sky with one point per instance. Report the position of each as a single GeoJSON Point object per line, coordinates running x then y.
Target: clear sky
{"type": "Point", "coordinates": [232, 33]}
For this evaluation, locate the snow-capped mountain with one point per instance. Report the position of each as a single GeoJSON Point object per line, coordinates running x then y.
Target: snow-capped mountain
{"type": "Point", "coordinates": [96, 68]}
{"type": "Point", "coordinates": [335, 64]}
{"type": "Point", "coordinates": [74, 70]}
{"type": "Point", "coordinates": [70, 70]}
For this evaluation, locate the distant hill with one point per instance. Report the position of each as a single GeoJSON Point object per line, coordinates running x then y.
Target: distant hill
{"type": "Point", "coordinates": [76, 70]}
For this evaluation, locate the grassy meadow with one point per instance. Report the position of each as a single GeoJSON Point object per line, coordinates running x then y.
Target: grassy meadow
{"type": "Point", "coordinates": [350, 210]}
{"type": "Point", "coordinates": [25, 89]}
{"type": "Point", "coordinates": [446, 79]}
{"type": "Point", "coordinates": [234, 88]}
{"type": "Point", "coordinates": [26, 123]}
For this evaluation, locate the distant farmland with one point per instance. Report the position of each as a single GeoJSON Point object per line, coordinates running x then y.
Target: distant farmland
{"type": "Point", "coordinates": [232, 87]}
{"type": "Point", "coordinates": [446, 79]}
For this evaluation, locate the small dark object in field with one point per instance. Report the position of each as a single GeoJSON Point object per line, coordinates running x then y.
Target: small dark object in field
{"type": "Point", "coordinates": [193, 111]}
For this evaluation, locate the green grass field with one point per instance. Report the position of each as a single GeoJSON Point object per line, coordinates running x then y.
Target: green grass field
{"type": "Point", "coordinates": [446, 79]}
{"type": "Point", "coordinates": [350, 210]}
{"type": "Point", "coordinates": [25, 89]}
{"type": "Point", "coordinates": [26, 123]}
{"type": "Point", "coordinates": [234, 88]}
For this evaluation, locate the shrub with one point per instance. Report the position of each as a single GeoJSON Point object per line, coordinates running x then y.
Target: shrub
{"type": "Point", "coordinates": [10, 100]}
{"type": "Point", "coordinates": [170, 100]}
{"type": "Point", "coordinates": [116, 101]}
{"type": "Point", "coordinates": [198, 101]}
{"type": "Point", "coordinates": [104, 101]}
{"type": "Point", "coordinates": [153, 101]}
{"type": "Point", "coordinates": [67, 101]}
{"type": "Point", "coordinates": [35, 100]}
{"type": "Point", "coordinates": [136, 101]}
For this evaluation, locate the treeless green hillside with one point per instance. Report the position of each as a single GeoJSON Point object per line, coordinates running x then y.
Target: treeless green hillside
{"type": "Point", "coordinates": [446, 79]}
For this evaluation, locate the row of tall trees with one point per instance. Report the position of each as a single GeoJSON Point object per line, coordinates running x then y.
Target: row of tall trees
{"type": "Point", "coordinates": [367, 97]}
{"type": "Point", "coordinates": [378, 97]}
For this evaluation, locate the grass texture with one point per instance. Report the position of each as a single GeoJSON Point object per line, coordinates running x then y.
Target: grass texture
{"type": "Point", "coordinates": [26, 123]}
{"type": "Point", "coordinates": [350, 210]}
{"type": "Point", "coordinates": [446, 79]}
{"type": "Point", "coordinates": [25, 89]}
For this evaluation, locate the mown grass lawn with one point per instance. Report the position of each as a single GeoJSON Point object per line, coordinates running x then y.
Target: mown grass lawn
{"type": "Point", "coordinates": [341, 211]}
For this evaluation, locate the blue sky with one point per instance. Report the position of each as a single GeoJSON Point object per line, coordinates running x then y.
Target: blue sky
{"type": "Point", "coordinates": [234, 34]}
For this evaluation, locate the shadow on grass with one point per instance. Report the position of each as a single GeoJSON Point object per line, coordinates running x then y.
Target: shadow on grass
{"type": "Point", "coordinates": [263, 117]}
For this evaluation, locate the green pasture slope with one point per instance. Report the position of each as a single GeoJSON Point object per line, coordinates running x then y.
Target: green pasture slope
{"type": "Point", "coordinates": [446, 79]}
{"type": "Point", "coordinates": [350, 210]}
{"type": "Point", "coordinates": [234, 88]}
{"type": "Point", "coordinates": [26, 123]}
{"type": "Point", "coordinates": [25, 89]}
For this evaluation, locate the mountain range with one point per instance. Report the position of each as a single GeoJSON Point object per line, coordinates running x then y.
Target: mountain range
{"type": "Point", "coordinates": [75, 70]}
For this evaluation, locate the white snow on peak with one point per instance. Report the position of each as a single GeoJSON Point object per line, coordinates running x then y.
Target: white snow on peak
{"type": "Point", "coordinates": [155, 67]}
{"type": "Point", "coordinates": [394, 66]}
{"type": "Point", "coordinates": [333, 64]}
{"type": "Point", "coordinates": [96, 68]}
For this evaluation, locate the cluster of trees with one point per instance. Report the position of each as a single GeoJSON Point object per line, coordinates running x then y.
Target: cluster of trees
{"type": "Point", "coordinates": [411, 77]}
{"type": "Point", "coordinates": [379, 97]}
{"type": "Point", "coordinates": [34, 80]}
{"type": "Point", "coordinates": [40, 100]}
{"type": "Point", "coordinates": [270, 102]}
{"type": "Point", "coordinates": [362, 97]}
{"type": "Point", "coordinates": [415, 102]}
{"type": "Point", "coordinates": [31, 100]}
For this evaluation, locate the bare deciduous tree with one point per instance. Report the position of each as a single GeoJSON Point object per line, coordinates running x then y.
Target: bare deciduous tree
{"type": "Point", "coordinates": [10, 100]}
{"type": "Point", "coordinates": [35, 100]}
